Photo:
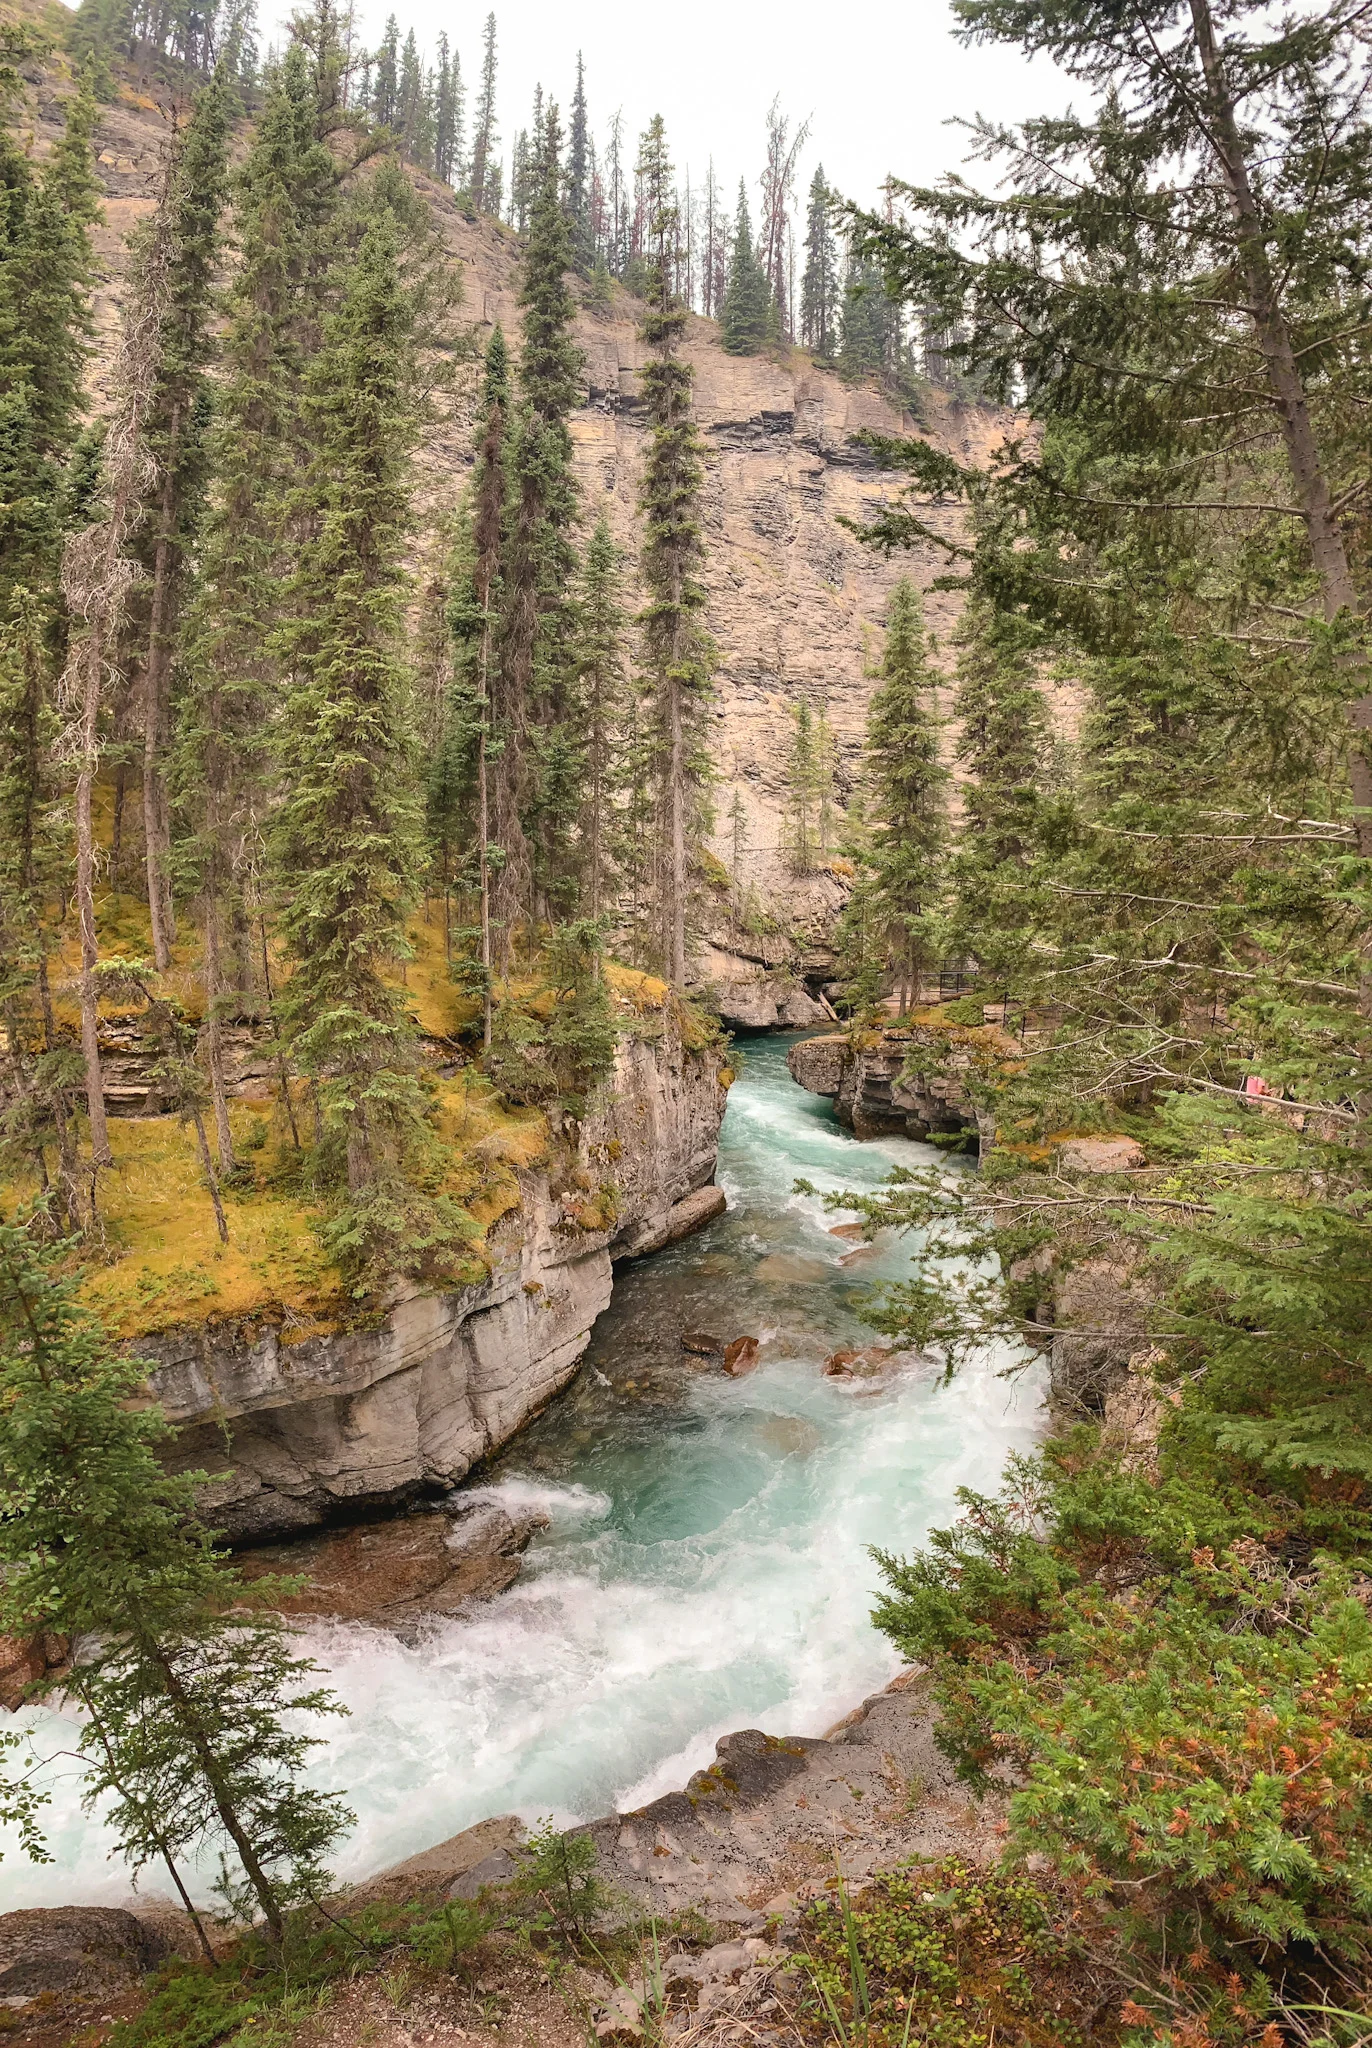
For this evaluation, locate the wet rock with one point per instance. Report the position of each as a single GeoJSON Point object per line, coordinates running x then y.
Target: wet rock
{"type": "Point", "coordinates": [789, 1266]}
{"type": "Point", "coordinates": [740, 1357]}
{"type": "Point", "coordinates": [683, 1219]}
{"type": "Point", "coordinates": [24, 1660]}
{"type": "Point", "coordinates": [817, 1064]}
{"type": "Point", "coordinates": [839, 1364]}
{"type": "Point", "coordinates": [394, 1573]}
{"type": "Point", "coordinates": [853, 1231]}
{"type": "Point", "coordinates": [75, 1948]}
{"type": "Point", "coordinates": [701, 1346]}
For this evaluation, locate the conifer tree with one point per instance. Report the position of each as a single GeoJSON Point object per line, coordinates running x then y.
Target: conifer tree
{"type": "Point", "coordinates": [174, 438]}
{"type": "Point", "coordinates": [907, 782]}
{"type": "Point", "coordinates": [484, 182]}
{"type": "Point", "coordinates": [678, 654]}
{"type": "Point", "coordinates": [473, 618]}
{"type": "Point", "coordinates": [578, 178]}
{"type": "Point", "coordinates": [188, 1685]}
{"type": "Point", "coordinates": [603, 692]}
{"type": "Point", "coordinates": [869, 323]}
{"type": "Point", "coordinates": [287, 202]}
{"type": "Point", "coordinates": [748, 313]}
{"type": "Point", "coordinates": [1003, 747]}
{"type": "Point", "coordinates": [449, 98]}
{"type": "Point", "coordinates": [345, 839]}
{"type": "Point", "coordinates": [821, 292]}
{"type": "Point", "coordinates": [533, 810]}
{"type": "Point", "coordinates": [44, 318]}
{"type": "Point", "coordinates": [386, 77]}
{"type": "Point", "coordinates": [809, 789]}
{"type": "Point", "coordinates": [412, 105]}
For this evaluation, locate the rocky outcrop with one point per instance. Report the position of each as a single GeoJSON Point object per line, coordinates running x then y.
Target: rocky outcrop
{"type": "Point", "coordinates": [325, 1427]}
{"type": "Point", "coordinates": [58, 1949]}
{"type": "Point", "coordinates": [909, 1081]}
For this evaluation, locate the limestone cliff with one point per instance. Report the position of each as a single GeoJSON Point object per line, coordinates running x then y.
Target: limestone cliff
{"type": "Point", "coordinates": [795, 601]}
{"type": "Point", "coordinates": [335, 1424]}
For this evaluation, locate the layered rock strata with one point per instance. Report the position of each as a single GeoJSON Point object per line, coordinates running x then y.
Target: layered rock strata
{"type": "Point", "coordinates": [333, 1426]}
{"type": "Point", "coordinates": [906, 1081]}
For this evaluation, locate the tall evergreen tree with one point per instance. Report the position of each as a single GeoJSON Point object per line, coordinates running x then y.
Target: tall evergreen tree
{"type": "Point", "coordinates": [385, 107]}
{"type": "Point", "coordinates": [869, 324]}
{"type": "Point", "coordinates": [678, 654]}
{"type": "Point", "coordinates": [449, 98]}
{"type": "Point", "coordinates": [345, 840]}
{"type": "Point", "coordinates": [182, 241]}
{"type": "Point", "coordinates": [748, 314]}
{"type": "Point", "coordinates": [821, 291]}
{"type": "Point", "coordinates": [578, 178]}
{"type": "Point", "coordinates": [484, 182]}
{"type": "Point", "coordinates": [603, 691]}
{"type": "Point", "coordinates": [907, 795]}
{"type": "Point", "coordinates": [533, 810]}
{"type": "Point", "coordinates": [286, 210]}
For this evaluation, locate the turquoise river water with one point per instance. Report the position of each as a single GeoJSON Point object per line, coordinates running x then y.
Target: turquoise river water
{"type": "Point", "coordinates": [706, 1565]}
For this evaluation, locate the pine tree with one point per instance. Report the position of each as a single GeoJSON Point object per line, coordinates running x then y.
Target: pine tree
{"type": "Point", "coordinates": [485, 189]}
{"type": "Point", "coordinates": [44, 321]}
{"type": "Point", "coordinates": [602, 705]}
{"type": "Point", "coordinates": [1003, 748]}
{"type": "Point", "coordinates": [533, 808]}
{"type": "Point", "coordinates": [748, 313]}
{"type": "Point", "coordinates": [386, 78]}
{"type": "Point", "coordinates": [188, 1688]}
{"type": "Point", "coordinates": [187, 219]}
{"type": "Point", "coordinates": [578, 179]}
{"type": "Point", "coordinates": [809, 789]}
{"type": "Point", "coordinates": [678, 654]}
{"type": "Point", "coordinates": [472, 619]}
{"type": "Point", "coordinates": [345, 839]}
{"type": "Point", "coordinates": [449, 97]}
{"type": "Point", "coordinates": [821, 292]}
{"type": "Point", "coordinates": [411, 102]}
{"type": "Point", "coordinates": [869, 324]}
{"type": "Point", "coordinates": [287, 203]}
{"type": "Point", "coordinates": [907, 794]}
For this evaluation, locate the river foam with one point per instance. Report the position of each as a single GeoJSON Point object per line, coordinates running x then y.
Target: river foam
{"type": "Point", "coordinates": [707, 1561]}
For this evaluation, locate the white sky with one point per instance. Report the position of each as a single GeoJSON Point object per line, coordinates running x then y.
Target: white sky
{"type": "Point", "coordinates": [879, 80]}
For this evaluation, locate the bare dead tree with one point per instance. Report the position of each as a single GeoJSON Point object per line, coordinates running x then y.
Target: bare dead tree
{"type": "Point", "coordinates": [778, 191]}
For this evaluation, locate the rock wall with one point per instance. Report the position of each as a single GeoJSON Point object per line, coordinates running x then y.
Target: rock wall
{"type": "Point", "coordinates": [906, 1081]}
{"type": "Point", "coordinates": [332, 1426]}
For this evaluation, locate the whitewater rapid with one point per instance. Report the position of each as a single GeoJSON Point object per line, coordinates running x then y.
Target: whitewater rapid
{"type": "Point", "coordinates": [707, 1562]}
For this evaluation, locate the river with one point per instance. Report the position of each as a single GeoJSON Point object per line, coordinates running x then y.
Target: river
{"type": "Point", "coordinates": [706, 1562]}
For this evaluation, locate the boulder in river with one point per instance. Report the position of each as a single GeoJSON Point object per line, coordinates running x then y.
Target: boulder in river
{"type": "Point", "coordinates": [700, 1345]}
{"type": "Point", "coordinates": [740, 1357]}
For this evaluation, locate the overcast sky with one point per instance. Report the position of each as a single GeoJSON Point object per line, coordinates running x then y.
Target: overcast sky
{"type": "Point", "coordinates": [879, 80]}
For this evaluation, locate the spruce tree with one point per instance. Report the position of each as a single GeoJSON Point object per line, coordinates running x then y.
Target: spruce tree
{"type": "Point", "coordinates": [869, 324]}
{"type": "Point", "coordinates": [533, 804]}
{"type": "Point", "coordinates": [907, 795]}
{"type": "Point", "coordinates": [821, 291]}
{"type": "Point", "coordinates": [188, 1687]}
{"type": "Point", "coordinates": [578, 178]}
{"type": "Point", "coordinates": [187, 216]}
{"type": "Point", "coordinates": [385, 107]}
{"type": "Point", "coordinates": [484, 181]}
{"type": "Point", "coordinates": [603, 695]}
{"type": "Point", "coordinates": [473, 618]}
{"type": "Point", "coordinates": [345, 838]}
{"type": "Point", "coordinates": [286, 208]}
{"type": "Point", "coordinates": [1003, 749]}
{"type": "Point", "coordinates": [809, 789]}
{"type": "Point", "coordinates": [449, 97]}
{"type": "Point", "coordinates": [44, 321]}
{"type": "Point", "coordinates": [748, 313]}
{"type": "Point", "coordinates": [678, 654]}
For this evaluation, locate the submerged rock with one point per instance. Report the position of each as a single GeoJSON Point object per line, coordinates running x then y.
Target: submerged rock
{"type": "Point", "coordinates": [701, 1346]}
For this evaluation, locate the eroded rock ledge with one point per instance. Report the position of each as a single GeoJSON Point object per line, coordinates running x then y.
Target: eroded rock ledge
{"type": "Point", "coordinates": [907, 1080]}
{"type": "Point", "coordinates": [334, 1426]}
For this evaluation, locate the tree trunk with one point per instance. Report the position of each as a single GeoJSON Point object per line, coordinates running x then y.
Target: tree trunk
{"type": "Point", "coordinates": [207, 1167]}
{"type": "Point", "coordinates": [156, 719]}
{"type": "Point", "coordinates": [223, 1130]}
{"type": "Point", "coordinates": [85, 909]}
{"type": "Point", "coordinates": [1330, 556]}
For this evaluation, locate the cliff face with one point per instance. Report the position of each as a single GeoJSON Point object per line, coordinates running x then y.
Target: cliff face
{"type": "Point", "coordinates": [795, 601]}
{"type": "Point", "coordinates": [333, 1425]}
